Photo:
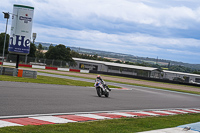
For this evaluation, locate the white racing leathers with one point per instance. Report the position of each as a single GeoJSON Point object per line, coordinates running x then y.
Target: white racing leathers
{"type": "Point", "coordinates": [103, 83]}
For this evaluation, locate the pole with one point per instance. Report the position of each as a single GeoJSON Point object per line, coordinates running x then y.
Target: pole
{"type": "Point", "coordinates": [4, 46]}
{"type": "Point", "coordinates": [26, 59]}
{"type": "Point", "coordinates": [17, 63]}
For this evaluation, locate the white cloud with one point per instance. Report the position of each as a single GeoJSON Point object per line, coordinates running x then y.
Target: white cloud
{"type": "Point", "coordinates": [130, 11]}
{"type": "Point", "coordinates": [120, 40]}
{"type": "Point", "coordinates": [186, 53]}
{"type": "Point", "coordinates": [136, 11]}
{"type": "Point", "coordinates": [89, 24]}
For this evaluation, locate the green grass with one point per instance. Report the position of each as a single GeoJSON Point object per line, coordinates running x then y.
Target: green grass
{"type": "Point", "coordinates": [171, 89]}
{"type": "Point", "coordinates": [49, 80]}
{"type": "Point", "coordinates": [68, 74]}
{"type": "Point", "coordinates": [123, 125]}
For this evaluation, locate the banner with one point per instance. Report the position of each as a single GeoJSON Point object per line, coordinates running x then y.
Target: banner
{"type": "Point", "coordinates": [21, 29]}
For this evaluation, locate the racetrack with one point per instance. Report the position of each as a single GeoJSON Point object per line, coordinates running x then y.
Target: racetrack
{"type": "Point", "coordinates": [18, 98]}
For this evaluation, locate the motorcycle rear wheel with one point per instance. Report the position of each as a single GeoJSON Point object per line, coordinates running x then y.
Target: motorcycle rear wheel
{"type": "Point", "coordinates": [107, 94]}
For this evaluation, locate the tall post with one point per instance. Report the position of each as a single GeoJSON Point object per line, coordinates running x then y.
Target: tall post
{"type": "Point", "coordinates": [26, 59]}
{"type": "Point", "coordinates": [17, 63]}
{"type": "Point", "coordinates": [6, 15]}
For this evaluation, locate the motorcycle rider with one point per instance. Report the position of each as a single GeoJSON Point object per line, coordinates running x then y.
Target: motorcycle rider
{"type": "Point", "coordinates": [103, 82]}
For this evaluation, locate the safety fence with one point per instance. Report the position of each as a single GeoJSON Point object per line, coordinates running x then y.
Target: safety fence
{"type": "Point", "coordinates": [37, 61]}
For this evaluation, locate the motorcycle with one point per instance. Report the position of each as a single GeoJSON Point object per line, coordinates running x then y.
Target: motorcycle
{"type": "Point", "coordinates": [101, 89]}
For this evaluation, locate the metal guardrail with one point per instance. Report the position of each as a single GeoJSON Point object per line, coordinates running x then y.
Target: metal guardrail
{"type": "Point", "coordinates": [9, 71]}
{"type": "Point", "coordinates": [15, 72]}
{"type": "Point", "coordinates": [29, 74]}
{"type": "Point", "coordinates": [144, 78]}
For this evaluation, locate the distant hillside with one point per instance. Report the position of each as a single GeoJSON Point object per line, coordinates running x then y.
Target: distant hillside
{"type": "Point", "coordinates": [124, 57]}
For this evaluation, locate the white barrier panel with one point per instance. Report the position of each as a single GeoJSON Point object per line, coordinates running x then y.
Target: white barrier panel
{"type": "Point", "coordinates": [40, 67]}
{"type": "Point", "coordinates": [9, 64]}
{"type": "Point", "coordinates": [84, 71]}
{"type": "Point", "coordinates": [63, 69]}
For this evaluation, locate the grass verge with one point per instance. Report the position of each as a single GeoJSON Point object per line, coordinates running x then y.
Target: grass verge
{"type": "Point", "coordinates": [123, 125]}
{"type": "Point", "coordinates": [142, 85]}
{"type": "Point", "coordinates": [178, 90]}
{"type": "Point", "coordinates": [49, 80]}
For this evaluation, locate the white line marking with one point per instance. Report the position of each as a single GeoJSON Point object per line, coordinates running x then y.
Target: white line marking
{"type": "Point", "coordinates": [53, 119]}
{"type": "Point", "coordinates": [179, 111]}
{"type": "Point", "coordinates": [147, 113]}
{"type": "Point", "coordinates": [123, 114]}
{"type": "Point", "coordinates": [6, 124]}
{"type": "Point", "coordinates": [93, 116]}
{"type": "Point", "coordinates": [191, 110]}
{"type": "Point", "coordinates": [164, 112]}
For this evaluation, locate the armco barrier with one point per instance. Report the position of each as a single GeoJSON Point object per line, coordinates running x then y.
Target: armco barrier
{"type": "Point", "coordinates": [25, 65]}
{"type": "Point", "coordinates": [46, 67]}
{"type": "Point", "coordinates": [74, 70]}
{"type": "Point", "coordinates": [9, 71]}
{"type": "Point", "coordinates": [144, 78]}
{"type": "Point", "coordinates": [84, 71]}
{"type": "Point", "coordinates": [9, 64]}
{"type": "Point", "coordinates": [39, 67]}
{"type": "Point", "coordinates": [52, 68]}
{"type": "Point", "coordinates": [29, 74]}
{"type": "Point", "coordinates": [19, 72]}
{"type": "Point", "coordinates": [63, 69]}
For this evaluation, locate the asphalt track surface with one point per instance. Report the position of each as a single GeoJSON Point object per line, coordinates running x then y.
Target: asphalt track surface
{"type": "Point", "coordinates": [18, 98]}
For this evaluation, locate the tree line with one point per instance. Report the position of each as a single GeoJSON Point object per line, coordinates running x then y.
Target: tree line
{"type": "Point", "coordinates": [58, 52]}
{"type": "Point", "coordinates": [61, 52]}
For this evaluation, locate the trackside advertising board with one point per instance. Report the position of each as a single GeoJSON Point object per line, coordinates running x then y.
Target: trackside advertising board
{"type": "Point", "coordinates": [21, 29]}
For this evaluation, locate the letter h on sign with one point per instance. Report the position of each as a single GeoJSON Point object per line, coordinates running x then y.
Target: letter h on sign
{"type": "Point", "coordinates": [19, 41]}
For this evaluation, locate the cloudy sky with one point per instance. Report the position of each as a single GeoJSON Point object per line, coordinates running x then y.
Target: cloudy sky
{"type": "Point", "coordinates": [167, 29]}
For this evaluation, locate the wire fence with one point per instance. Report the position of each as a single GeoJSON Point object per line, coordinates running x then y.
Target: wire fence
{"type": "Point", "coordinates": [36, 61]}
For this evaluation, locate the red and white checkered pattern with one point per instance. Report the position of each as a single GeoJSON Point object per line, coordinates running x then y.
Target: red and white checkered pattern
{"type": "Point", "coordinates": [46, 67]}
{"type": "Point", "coordinates": [83, 117]}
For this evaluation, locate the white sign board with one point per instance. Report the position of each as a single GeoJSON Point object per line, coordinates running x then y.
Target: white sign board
{"type": "Point", "coordinates": [21, 29]}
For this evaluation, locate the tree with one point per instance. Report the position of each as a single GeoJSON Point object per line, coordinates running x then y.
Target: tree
{"type": "Point", "coordinates": [60, 52]}
{"type": "Point", "coordinates": [118, 61]}
{"type": "Point", "coordinates": [95, 56]}
{"type": "Point", "coordinates": [32, 50]}
{"type": "Point", "coordinates": [75, 54]}
{"type": "Point", "coordinates": [50, 52]}
{"type": "Point", "coordinates": [2, 37]}
{"type": "Point", "coordinates": [39, 52]}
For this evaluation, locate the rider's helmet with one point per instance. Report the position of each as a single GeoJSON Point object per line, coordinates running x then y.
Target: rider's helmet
{"type": "Point", "coordinates": [98, 77]}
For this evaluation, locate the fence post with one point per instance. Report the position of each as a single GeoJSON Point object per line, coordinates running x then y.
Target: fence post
{"type": "Point", "coordinates": [52, 62]}
{"type": "Point", "coordinates": [61, 64]}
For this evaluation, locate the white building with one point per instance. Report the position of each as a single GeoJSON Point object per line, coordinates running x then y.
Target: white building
{"type": "Point", "coordinates": [141, 71]}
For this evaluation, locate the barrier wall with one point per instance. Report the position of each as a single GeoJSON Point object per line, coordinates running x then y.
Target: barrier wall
{"type": "Point", "coordinates": [19, 72]}
{"type": "Point", "coordinates": [46, 67]}
{"type": "Point", "coordinates": [145, 78]}
{"type": "Point", "coordinates": [63, 69]}
{"type": "Point", "coordinates": [40, 67]}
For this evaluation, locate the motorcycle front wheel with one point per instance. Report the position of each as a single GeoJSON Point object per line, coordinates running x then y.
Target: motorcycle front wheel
{"type": "Point", "coordinates": [99, 92]}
